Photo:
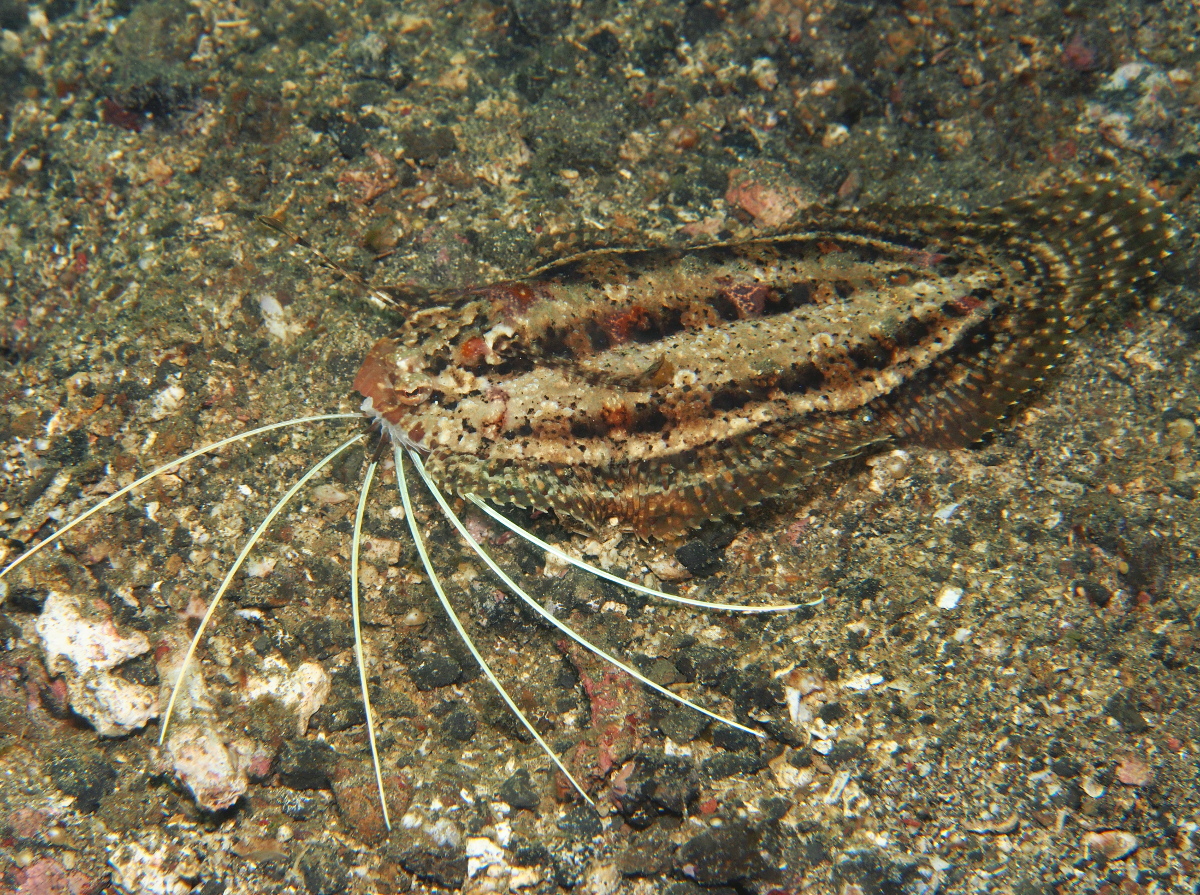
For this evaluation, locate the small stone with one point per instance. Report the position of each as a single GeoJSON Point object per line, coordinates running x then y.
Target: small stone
{"type": "Point", "coordinates": [434, 853]}
{"type": "Point", "coordinates": [357, 797]}
{"type": "Point", "coordinates": [323, 870]}
{"type": "Point", "coordinates": [663, 672]}
{"type": "Point", "coordinates": [211, 771]}
{"type": "Point", "coordinates": [682, 724]}
{"type": "Point", "coordinates": [137, 869]}
{"type": "Point", "coordinates": [85, 646]}
{"type": "Point", "coordinates": [1070, 796]}
{"type": "Point", "coordinates": [1134, 772]}
{"type": "Point", "coordinates": [998, 826]}
{"type": "Point", "coordinates": [460, 725]}
{"type": "Point", "coordinates": [1066, 767]}
{"type": "Point", "coordinates": [84, 774]}
{"type": "Point", "coordinates": [657, 784]}
{"type": "Point", "coordinates": [581, 822]}
{"type": "Point", "coordinates": [730, 764]}
{"type": "Point", "coordinates": [647, 856]}
{"type": "Point", "coordinates": [1094, 592]}
{"type": "Point", "coordinates": [434, 671]}
{"type": "Point", "coordinates": [948, 597]}
{"type": "Point", "coordinates": [719, 856]}
{"type": "Point", "coordinates": [831, 711]}
{"type": "Point", "coordinates": [1181, 429]}
{"type": "Point", "coordinates": [518, 791]}
{"type": "Point", "coordinates": [733, 740]}
{"type": "Point", "coordinates": [698, 558]}
{"type": "Point", "coordinates": [428, 144]}
{"type": "Point", "coordinates": [1113, 844]}
{"type": "Point", "coordinates": [1122, 706]}
{"type": "Point", "coordinates": [305, 764]}
{"type": "Point", "coordinates": [603, 878]}
{"type": "Point", "coordinates": [705, 664]}
{"type": "Point", "coordinates": [844, 751]}
{"type": "Point", "coordinates": [1093, 787]}
{"type": "Point", "coordinates": [49, 877]}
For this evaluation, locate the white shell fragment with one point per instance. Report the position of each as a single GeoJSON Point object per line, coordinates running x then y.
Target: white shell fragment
{"type": "Point", "coordinates": [863, 681]}
{"type": "Point", "coordinates": [167, 402]}
{"type": "Point", "coordinates": [276, 319]}
{"type": "Point", "coordinates": [137, 869]}
{"type": "Point", "coordinates": [85, 651]}
{"type": "Point", "coordinates": [206, 766]}
{"type": "Point", "coordinates": [948, 597]}
{"type": "Point", "coordinates": [1113, 844]}
{"type": "Point", "coordinates": [304, 689]}
{"type": "Point", "coordinates": [997, 826]}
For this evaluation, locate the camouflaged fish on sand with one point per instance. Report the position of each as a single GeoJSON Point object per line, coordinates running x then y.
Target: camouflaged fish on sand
{"type": "Point", "coordinates": [652, 390]}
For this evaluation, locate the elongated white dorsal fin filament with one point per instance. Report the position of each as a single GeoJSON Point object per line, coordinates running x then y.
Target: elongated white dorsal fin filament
{"type": "Point", "coordinates": [540, 610]}
{"type": "Point", "coordinates": [359, 658]}
{"type": "Point", "coordinates": [167, 467]}
{"type": "Point", "coordinates": [631, 585]}
{"type": "Point", "coordinates": [458, 625]}
{"type": "Point", "coordinates": [233, 570]}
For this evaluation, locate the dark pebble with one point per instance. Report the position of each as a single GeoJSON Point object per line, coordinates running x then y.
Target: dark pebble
{"type": "Point", "coordinates": [682, 724]}
{"type": "Point", "coordinates": [860, 589]}
{"type": "Point", "coordinates": [84, 774]}
{"type": "Point", "coordinates": [774, 808]}
{"type": "Point", "coordinates": [843, 752]}
{"type": "Point", "coordinates": [305, 764]}
{"type": "Point", "coordinates": [878, 874]}
{"type": "Point", "coordinates": [323, 870]}
{"type": "Point", "coordinates": [530, 854]}
{"type": "Point", "coordinates": [698, 558]}
{"type": "Point", "coordinates": [431, 862]}
{"type": "Point", "coordinates": [518, 791]}
{"type": "Point", "coordinates": [460, 725]}
{"type": "Point", "coordinates": [1066, 767]}
{"type": "Point", "coordinates": [433, 671]}
{"type": "Point", "coordinates": [323, 637]}
{"type": "Point", "coordinates": [1122, 706]}
{"type": "Point", "coordinates": [428, 144]}
{"type": "Point", "coordinates": [581, 822]}
{"type": "Point", "coordinates": [647, 856]}
{"type": "Point", "coordinates": [1095, 593]}
{"type": "Point", "coordinates": [730, 764]}
{"type": "Point", "coordinates": [603, 44]}
{"type": "Point", "coordinates": [733, 740]}
{"type": "Point", "coordinates": [349, 135]}
{"type": "Point", "coordinates": [831, 712]}
{"type": "Point", "coordinates": [658, 784]}
{"type": "Point", "coordinates": [705, 664]}
{"type": "Point", "coordinates": [339, 714]}
{"type": "Point", "coordinates": [1070, 796]}
{"type": "Point", "coordinates": [802, 758]}
{"type": "Point", "coordinates": [815, 851]}
{"type": "Point", "coordinates": [721, 855]}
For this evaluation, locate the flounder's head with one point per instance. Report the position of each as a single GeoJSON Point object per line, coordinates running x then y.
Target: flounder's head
{"type": "Point", "coordinates": [393, 380]}
{"type": "Point", "coordinates": [412, 387]}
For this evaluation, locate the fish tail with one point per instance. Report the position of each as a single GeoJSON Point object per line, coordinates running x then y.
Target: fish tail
{"type": "Point", "coordinates": [1107, 239]}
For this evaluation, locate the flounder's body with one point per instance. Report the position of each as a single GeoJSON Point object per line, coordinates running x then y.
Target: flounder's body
{"type": "Point", "coordinates": [654, 389]}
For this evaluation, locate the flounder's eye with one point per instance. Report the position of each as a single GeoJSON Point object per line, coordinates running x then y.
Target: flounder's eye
{"type": "Point", "coordinates": [412, 395]}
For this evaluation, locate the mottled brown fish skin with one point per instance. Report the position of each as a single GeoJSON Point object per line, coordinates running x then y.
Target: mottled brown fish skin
{"type": "Point", "coordinates": [651, 390]}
